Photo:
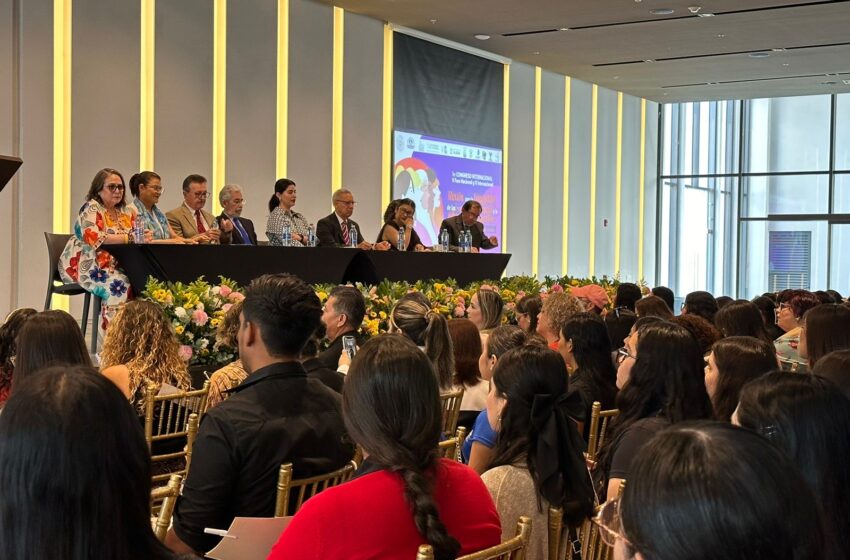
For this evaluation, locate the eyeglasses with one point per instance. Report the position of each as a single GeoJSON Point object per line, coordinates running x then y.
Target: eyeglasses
{"type": "Point", "coordinates": [347, 202]}
{"type": "Point", "coordinates": [609, 523]}
{"type": "Point", "coordinates": [203, 194]}
{"type": "Point", "coordinates": [624, 353]}
{"type": "Point", "coordinates": [113, 188]}
{"type": "Point", "coordinates": [154, 189]}
{"type": "Point", "coordinates": [405, 212]}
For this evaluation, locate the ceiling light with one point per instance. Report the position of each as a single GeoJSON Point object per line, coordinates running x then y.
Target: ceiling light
{"type": "Point", "coordinates": [564, 29]}
{"type": "Point", "coordinates": [705, 15]}
{"type": "Point", "coordinates": [694, 9]}
{"type": "Point", "coordinates": [662, 11]}
{"type": "Point", "coordinates": [482, 37]}
{"type": "Point", "coordinates": [760, 54]}
{"type": "Point", "coordinates": [649, 60]}
{"type": "Point", "coordinates": [433, 21]}
{"type": "Point", "coordinates": [536, 52]}
{"type": "Point", "coordinates": [777, 50]}
{"type": "Point", "coordinates": [846, 82]}
{"type": "Point", "coordinates": [720, 35]}
{"type": "Point", "coordinates": [785, 64]}
{"type": "Point", "coordinates": [830, 83]}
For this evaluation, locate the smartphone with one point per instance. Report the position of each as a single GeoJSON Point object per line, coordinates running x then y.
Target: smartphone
{"type": "Point", "coordinates": [349, 344]}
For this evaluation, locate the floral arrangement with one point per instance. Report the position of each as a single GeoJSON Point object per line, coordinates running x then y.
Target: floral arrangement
{"type": "Point", "coordinates": [195, 310]}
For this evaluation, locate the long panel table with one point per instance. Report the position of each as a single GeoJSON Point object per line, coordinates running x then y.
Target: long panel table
{"type": "Point", "coordinates": [186, 263]}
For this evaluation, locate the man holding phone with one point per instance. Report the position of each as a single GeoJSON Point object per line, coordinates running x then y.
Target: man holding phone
{"type": "Point", "coordinates": [342, 316]}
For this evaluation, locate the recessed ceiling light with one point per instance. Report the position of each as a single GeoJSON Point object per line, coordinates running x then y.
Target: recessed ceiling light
{"type": "Point", "coordinates": [433, 21]}
{"type": "Point", "coordinates": [785, 64]}
{"type": "Point", "coordinates": [829, 83]}
{"type": "Point", "coordinates": [536, 52]}
{"type": "Point", "coordinates": [846, 82]}
{"type": "Point", "coordinates": [482, 37]}
{"type": "Point", "coordinates": [662, 11]}
{"type": "Point", "coordinates": [705, 15]}
{"type": "Point", "coordinates": [760, 54]}
{"type": "Point", "coordinates": [649, 60]}
{"type": "Point", "coordinates": [564, 29]}
{"type": "Point", "coordinates": [720, 35]}
{"type": "Point", "coordinates": [778, 50]}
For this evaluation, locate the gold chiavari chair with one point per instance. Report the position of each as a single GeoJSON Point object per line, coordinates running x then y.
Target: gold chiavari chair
{"type": "Point", "coordinates": [450, 448]}
{"type": "Point", "coordinates": [512, 549]}
{"type": "Point", "coordinates": [556, 528]}
{"type": "Point", "coordinates": [166, 498]}
{"type": "Point", "coordinates": [306, 487]}
{"type": "Point", "coordinates": [599, 420]}
{"type": "Point", "coordinates": [451, 410]}
{"type": "Point", "coordinates": [592, 545]}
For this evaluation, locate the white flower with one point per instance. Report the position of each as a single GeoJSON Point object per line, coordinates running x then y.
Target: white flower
{"type": "Point", "coordinates": [188, 335]}
{"type": "Point", "coordinates": [200, 306]}
{"type": "Point", "coordinates": [181, 314]}
{"type": "Point", "coordinates": [216, 290]}
{"type": "Point", "coordinates": [203, 343]}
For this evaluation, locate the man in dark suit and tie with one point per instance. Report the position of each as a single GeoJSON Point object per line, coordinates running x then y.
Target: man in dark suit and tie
{"type": "Point", "coordinates": [232, 201]}
{"type": "Point", "coordinates": [335, 230]}
{"type": "Point", "coordinates": [468, 220]}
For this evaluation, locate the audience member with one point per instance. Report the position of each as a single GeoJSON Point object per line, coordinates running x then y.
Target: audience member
{"type": "Point", "coordinates": [835, 366]}
{"type": "Point", "coordinates": [336, 230]}
{"type": "Point", "coordinates": [741, 318]}
{"type": "Point", "coordinates": [701, 304]}
{"type": "Point", "coordinates": [627, 296]}
{"type": "Point", "coordinates": [711, 490]}
{"type": "Point", "coordinates": [808, 418]}
{"type": "Point", "coordinates": [399, 214]}
{"type": "Point", "coordinates": [723, 301]}
{"type": "Point", "coordinates": [733, 362]}
{"type": "Point", "coordinates": [653, 306]}
{"type": "Point", "coordinates": [485, 309]}
{"type": "Point", "coordinates": [618, 323]}
{"type": "Point", "coordinates": [282, 217]}
{"type": "Point", "coordinates": [191, 221]}
{"type": "Point", "coordinates": [767, 308]}
{"type": "Point", "coordinates": [277, 415]}
{"type": "Point", "coordinates": [467, 220]}
{"type": "Point", "coordinates": [593, 298]}
{"type": "Point", "coordinates": [539, 459]}
{"type": "Point", "coordinates": [315, 367]}
{"type": "Point", "coordinates": [429, 330]}
{"type": "Point", "coordinates": [705, 333]}
{"type": "Point", "coordinates": [342, 315]}
{"type": "Point", "coordinates": [402, 494]}
{"type": "Point", "coordinates": [526, 312]}
{"type": "Point", "coordinates": [146, 188]}
{"type": "Point", "coordinates": [466, 344]}
{"type": "Point", "coordinates": [232, 202]}
{"type": "Point", "coordinates": [824, 297]}
{"type": "Point", "coordinates": [667, 295]}
{"type": "Point", "coordinates": [141, 348]}
{"type": "Point", "coordinates": [8, 347]}
{"type": "Point", "coordinates": [793, 305]}
{"type": "Point", "coordinates": [836, 297]}
{"type": "Point", "coordinates": [825, 328]}
{"type": "Point", "coordinates": [662, 384]}
{"type": "Point", "coordinates": [233, 374]}
{"type": "Point", "coordinates": [557, 309]}
{"type": "Point", "coordinates": [49, 338]}
{"type": "Point", "coordinates": [75, 473]}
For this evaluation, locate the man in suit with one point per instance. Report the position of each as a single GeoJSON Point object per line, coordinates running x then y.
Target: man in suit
{"type": "Point", "coordinates": [191, 221]}
{"type": "Point", "coordinates": [468, 220]}
{"type": "Point", "coordinates": [335, 230]}
{"type": "Point", "coordinates": [342, 315]}
{"type": "Point", "coordinates": [232, 201]}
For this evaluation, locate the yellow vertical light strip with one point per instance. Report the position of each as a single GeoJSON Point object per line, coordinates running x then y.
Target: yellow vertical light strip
{"type": "Point", "coordinates": [219, 100]}
{"type": "Point", "coordinates": [338, 76]}
{"type": "Point", "coordinates": [61, 124]}
{"type": "Point", "coordinates": [591, 260]}
{"type": "Point", "coordinates": [506, 127]}
{"type": "Point", "coordinates": [618, 183]}
{"type": "Point", "coordinates": [282, 107]}
{"type": "Point", "coordinates": [535, 216]}
{"type": "Point", "coordinates": [642, 185]}
{"type": "Point", "coordinates": [146, 80]}
{"type": "Point", "coordinates": [387, 125]}
{"type": "Point", "coordinates": [565, 247]}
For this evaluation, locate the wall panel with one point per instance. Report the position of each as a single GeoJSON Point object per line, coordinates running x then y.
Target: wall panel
{"type": "Point", "coordinates": [520, 168]}
{"type": "Point", "coordinates": [606, 158]}
{"type": "Point", "coordinates": [579, 178]}
{"type": "Point", "coordinates": [630, 206]}
{"type": "Point", "coordinates": [551, 175]}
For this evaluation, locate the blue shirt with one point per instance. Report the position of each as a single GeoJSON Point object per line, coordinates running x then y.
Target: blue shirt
{"type": "Point", "coordinates": [482, 433]}
{"type": "Point", "coordinates": [153, 220]}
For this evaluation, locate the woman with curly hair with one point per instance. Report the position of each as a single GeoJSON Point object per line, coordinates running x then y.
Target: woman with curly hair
{"type": "Point", "coordinates": [8, 346]}
{"type": "Point", "coordinates": [558, 308]}
{"type": "Point", "coordinates": [140, 348]}
{"type": "Point", "coordinates": [233, 374]}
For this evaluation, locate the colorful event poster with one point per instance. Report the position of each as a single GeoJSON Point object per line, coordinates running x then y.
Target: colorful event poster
{"type": "Point", "coordinates": [439, 175]}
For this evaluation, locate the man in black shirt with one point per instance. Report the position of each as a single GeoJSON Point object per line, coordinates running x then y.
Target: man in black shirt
{"type": "Point", "coordinates": [467, 220]}
{"type": "Point", "coordinates": [277, 415]}
{"type": "Point", "coordinates": [342, 315]}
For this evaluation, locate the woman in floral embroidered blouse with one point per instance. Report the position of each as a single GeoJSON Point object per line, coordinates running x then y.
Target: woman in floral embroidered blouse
{"type": "Point", "coordinates": [282, 214]}
{"type": "Point", "coordinates": [146, 187]}
{"type": "Point", "coordinates": [105, 219]}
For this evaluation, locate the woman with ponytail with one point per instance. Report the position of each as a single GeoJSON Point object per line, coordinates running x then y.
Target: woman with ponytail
{"type": "Point", "coordinates": [281, 216]}
{"type": "Point", "coordinates": [402, 496]}
{"type": "Point", "coordinates": [429, 330]}
{"type": "Point", "coordinates": [538, 458]}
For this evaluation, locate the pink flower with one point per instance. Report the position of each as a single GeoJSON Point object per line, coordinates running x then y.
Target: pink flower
{"type": "Point", "coordinates": [459, 311]}
{"type": "Point", "coordinates": [224, 291]}
{"type": "Point", "coordinates": [520, 294]}
{"type": "Point", "coordinates": [226, 307]}
{"type": "Point", "coordinates": [557, 288]}
{"type": "Point", "coordinates": [185, 352]}
{"type": "Point", "coordinates": [199, 317]}
{"type": "Point", "coordinates": [236, 297]}
{"type": "Point", "coordinates": [486, 287]}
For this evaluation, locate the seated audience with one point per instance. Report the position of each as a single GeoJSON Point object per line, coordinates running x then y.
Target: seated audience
{"type": "Point", "coordinates": [627, 296]}
{"type": "Point", "coordinates": [733, 362]}
{"type": "Point", "coordinates": [653, 306]}
{"type": "Point", "coordinates": [49, 338]}
{"type": "Point", "coordinates": [466, 343]}
{"type": "Point", "coordinates": [667, 295]}
{"type": "Point", "coordinates": [399, 214]}
{"type": "Point", "coordinates": [428, 330]}
{"type": "Point", "coordinates": [336, 230]}
{"type": "Point", "coordinates": [808, 418]}
{"type": "Point", "coordinates": [539, 459]}
{"type": "Point", "coordinates": [141, 348]}
{"type": "Point", "coordinates": [661, 383]}
{"type": "Point", "coordinates": [824, 297]}
{"type": "Point", "coordinates": [526, 312]}
{"type": "Point", "coordinates": [557, 309]}
{"type": "Point", "coordinates": [835, 366]}
{"type": "Point", "coordinates": [586, 349]}
{"type": "Point", "coordinates": [723, 301]}
{"type": "Point", "coordinates": [277, 415]}
{"type": "Point", "coordinates": [593, 298]}
{"type": "Point", "coordinates": [825, 328]}
{"type": "Point", "coordinates": [741, 318]}
{"type": "Point", "coordinates": [402, 495]}
{"type": "Point", "coordinates": [342, 315]}
{"type": "Point", "coordinates": [8, 347]}
{"type": "Point", "coordinates": [232, 202]}
{"type": "Point", "coordinates": [710, 490]}
{"type": "Point", "coordinates": [701, 304]}
{"type": "Point", "coordinates": [836, 297]}
{"type": "Point", "coordinates": [190, 221]}
{"type": "Point", "coordinates": [467, 220]}
{"type": "Point", "coordinates": [793, 305]}
{"type": "Point", "coordinates": [75, 472]}
{"type": "Point", "coordinates": [486, 309]}
{"type": "Point", "coordinates": [705, 333]}
{"type": "Point", "coordinates": [478, 446]}
{"type": "Point", "coordinates": [618, 323]}
{"type": "Point", "coordinates": [146, 188]}
{"type": "Point", "coordinates": [314, 366]}
{"type": "Point", "coordinates": [767, 307]}
{"type": "Point", "coordinates": [282, 216]}
{"type": "Point", "coordinates": [233, 374]}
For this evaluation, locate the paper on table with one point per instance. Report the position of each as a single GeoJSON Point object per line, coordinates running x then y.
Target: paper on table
{"type": "Point", "coordinates": [254, 538]}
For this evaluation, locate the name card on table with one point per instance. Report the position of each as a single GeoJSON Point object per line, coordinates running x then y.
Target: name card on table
{"type": "Point", "coordinates": [248, 538]}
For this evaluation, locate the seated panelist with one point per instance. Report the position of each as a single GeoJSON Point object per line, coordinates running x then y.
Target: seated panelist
{"type": "Point", "coordinates": [468, 220]}
{"type": "Point", "coordinates": [190, 220]}
{"type": "Point", "coordinates": [232, 201]}
{"type": "Point", "coordinates": [336, 230]}
{"type": "Point", "coordinates": [399, 214]}
{"type": "Point", "coordinates": [282, 216]}
{"type": "Point", "coordinates": [146, 187]}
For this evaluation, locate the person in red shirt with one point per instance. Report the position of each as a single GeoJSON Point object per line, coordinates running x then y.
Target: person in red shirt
{"type": "Point", "coordinates": [403, 495]}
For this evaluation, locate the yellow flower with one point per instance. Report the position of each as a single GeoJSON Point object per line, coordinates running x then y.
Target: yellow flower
{"type": "Point", "coordinates": [179, 329]}
{"type": "Point", "coordinates": [372, 314]}
{"type": "Point", "coordinates": [574, 283]}
{"type": "Point", "coordinates": [382, 315]}
{"type": "Point", "coordinates": [372, 326]}
{"type": "Point", "coordinates": [323, 296]}
{"type": "Point", "coordinates": [215, 322]}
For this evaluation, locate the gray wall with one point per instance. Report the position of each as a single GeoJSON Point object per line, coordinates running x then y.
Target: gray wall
{"type": "Point", "coordinates": [105, 129]}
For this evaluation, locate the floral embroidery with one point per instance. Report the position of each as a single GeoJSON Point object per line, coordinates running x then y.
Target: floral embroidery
{"type": "Point", "coordinates": [117, 287]}
{"type": "Point", "coordinates": [98, 221]}
{"type": "Point", "coordinates": [104, 259]}
{"type": "Point", "coordinates": [98, 274]}
{"type": "Point", "coordinates": [90, 236]}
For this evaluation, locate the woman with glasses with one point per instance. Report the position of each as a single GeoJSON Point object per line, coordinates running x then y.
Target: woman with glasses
{"type": "Point", "coordinates": [146, 188]}
{"type": "Point", "coordinates": [399, 214]}
{"type": "Point", "coordinates": [793, 304]}
{"type": "Point", "coordinates": [105, 219]}
{"type": "Point", "coordinates": [704, 490]}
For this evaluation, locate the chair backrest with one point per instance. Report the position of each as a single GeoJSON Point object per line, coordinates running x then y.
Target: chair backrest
{"type": "Point", "coordinates": [450, 448]}
{"type": "Point", "coordinates": [451, 410]}
{"type": "Point", "coordinates": [556, 529]}
{"type": "Point", "coordinates": [599, 420]}
{"type": "Point", "coordinates": [55, 245]}
{"type": "Point", "coordinates": [592, 545]}
{"type": "Point", "coordinates": [512, 549]}
{"type": "Point", "coordinates": [306, 487]}
{"type": "Point", "coordinates": [164, 499]}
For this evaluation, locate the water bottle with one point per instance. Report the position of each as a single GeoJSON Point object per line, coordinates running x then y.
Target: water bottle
{"type": "Point", "coordinates": [352, 235]}
{"type": "Point", "coordinates": [400, 245]}
{"type": "Point", "coordinates": [139, 231]}
{"type": "Point", "coordinates": [444, 240]}
{"type": "Point", "coordinates": [286, 235]}
{"type": "Point", "coordinates": [311, 236]}
{"type": "Point", "coordinates": [462, 242]}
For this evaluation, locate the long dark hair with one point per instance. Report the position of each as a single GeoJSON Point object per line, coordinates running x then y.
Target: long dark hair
{"type": "Point", "coordinates": [592, 352]}
{"type": "Point", "coordinates": [428, 328]}
{"type": "Point", "coordinates": [466, 343]}
{"type": "Point", "coordinates": [701, 304]}
{"type": "Point", "coordinates": [835, 366]}
{"type": "Point", "coordinates": [531, 305]}
{"type": "Point", "coordinates": [741, 318]}
{"type": "Point", "coordinates": [99, 182]}
{"type": "Point", "coordinates": [538, 432]}
{"type": "Point", "coordinates": [280, 187]}
{"type": "Point", "coordinates": [75, 474]}
{"type": "Point", "coordinates": [140, 179]}
{"type": "Point", "coordinates": [653, 306]}
{"type": "Point", "coordinates": [808, 418]}
{"type": "Point", "coordinates": [739, 360]}
{"type": "Point", "coordinates": [391, 407]}
{"type": "Point", "coordinates": [827, 329]}
{"type": "Point", "coordinates": [49, 338]}
{"type": "Point", "coordinates": [710, 490]}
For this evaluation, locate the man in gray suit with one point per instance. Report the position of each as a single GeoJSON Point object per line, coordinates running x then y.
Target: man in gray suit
{"type": "Point", "coordinates": [468, 220]}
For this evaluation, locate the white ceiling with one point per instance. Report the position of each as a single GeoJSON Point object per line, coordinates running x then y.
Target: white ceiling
{"type": "Point", "coordinates": [619, 44]}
